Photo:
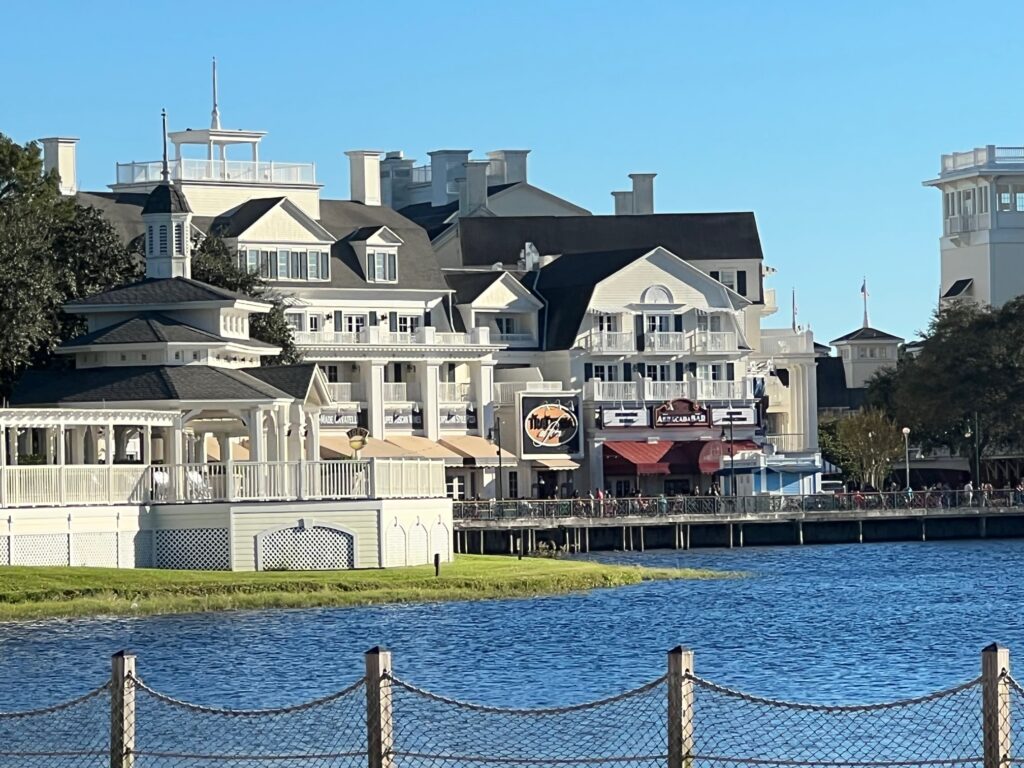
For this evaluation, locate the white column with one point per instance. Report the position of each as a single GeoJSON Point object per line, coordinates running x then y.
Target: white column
{"type": "Point", "coordinates": [224, 443]}
{"type": "Point", "coordinates": [595, 458]}
{"type": "Point", "coordinates": [257, 437]}
{"type": "Point", "coordinates": [108, 434]}
{"type": "Point", "coordinates": [281, 414]}
{"type": "Point", "coordinates": [482, 381]}
{"type": "Point", "coordinates": [429, 398]}
{"type": "Point", "coordinates": [77, 445]}
{"type": "Point", "coordinates": [12, 446]}
{"type": "Point", "coordinates": [373, 386]}
{"type": "Point", "coordinates": [61, 446]}
{"type": "Point", "coordinates": [296, 423]}
{"type": "Point", "coordinates": [176, 437]}
{"type": "Point", "coordinates": [147, 444]}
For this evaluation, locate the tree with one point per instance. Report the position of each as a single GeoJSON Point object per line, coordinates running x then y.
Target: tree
{"type": "Point", "coordinates": [51, 250]}
{"type": "Point", "coordinates": [871, 441]}
{"type": "Point", "coordinates": [214, 263]}
{"type": "Point", "coordinates": [832, 450]}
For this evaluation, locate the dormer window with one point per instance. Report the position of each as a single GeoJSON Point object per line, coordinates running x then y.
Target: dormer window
{"type": "Point", "coordinates": [382, 266]}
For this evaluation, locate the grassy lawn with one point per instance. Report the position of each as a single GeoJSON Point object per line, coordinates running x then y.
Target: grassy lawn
{"type": "Point", "coordinates": [33, 593]}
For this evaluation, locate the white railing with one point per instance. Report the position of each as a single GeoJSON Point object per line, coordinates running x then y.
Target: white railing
{"type": "Point", "coordinates": [786, 342]}
{"type": "Point", "coordinates": [420, 174]}
{"type": "Point", "coordinates": [321, 338]}
{"type": "Point", "coordinates": [448, 392]}
{"type": "Point", "coordinates": [991, 154]}
{"type": "Point", "coordinates": [505, 392]}
{"type": "Point", "coordinates": [425, 335]}
{"type": "Point", "coordinates": [399, 392]}
{"type": "Point", "coordinates": [79, 485]}
{"type": "Point", "coordinates": [665, 341]}
{"type": "Point", "coordinates": [345, 392]}
{"type": "Point", "coordinates": [449, 339]}
{"type": "Point", "coordinates": [660, 391]}
{"type": "Point", "coordinates": [516, 339]}
{"type": "Point", "coordinates": [236, 171]}
{"type": "Point", "coordinates": [724, 390]}
{"type": "Point", "coordinates": [712, 341]}
{"type": "Point", "coordinates": [791, 443]}
{"type": "Point", "coordinates": [611, 391]}
{"type": "Point", "coordinates": [398, 337]}
{"type": "Point", "coordinates": [965, 222]}
{"type": "Point", "coordinates": [609, 341]}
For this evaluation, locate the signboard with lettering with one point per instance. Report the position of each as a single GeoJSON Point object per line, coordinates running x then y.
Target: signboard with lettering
{"type": "Point", "coordinates": [744, 416]}
{"type": "Point", "coordinates": [458, 418]}
{"type": "Point", "coordinates": [681, 413]}
{"type": "Point", "coordinates": [550, 425]}
{"type": "Point", "coordinates": [345, 419]}
{"type": "Point", "coordinates": [625, 417]}
{"type": "Point", "coordinates": [404, 417]}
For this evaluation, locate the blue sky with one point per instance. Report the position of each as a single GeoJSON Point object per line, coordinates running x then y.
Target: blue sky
{"type": "Point", "coordinates": [822, 118]}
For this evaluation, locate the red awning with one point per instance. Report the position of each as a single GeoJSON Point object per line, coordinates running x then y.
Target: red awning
{"type": "Point", "coordinates": [645, 458]}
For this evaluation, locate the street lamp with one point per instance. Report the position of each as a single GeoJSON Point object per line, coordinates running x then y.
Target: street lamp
{"type": "Point", "coordinates": [732, 456]}
{"type": "Point", "coordinates": [977, 447]}
{"type": "Point", "coordinates": [494, 435]}
{"type": "Point", "coordinates": [906, 454]}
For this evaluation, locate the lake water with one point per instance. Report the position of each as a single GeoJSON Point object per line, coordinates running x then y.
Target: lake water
{"type": "Point", "coordinates": [837, 624]}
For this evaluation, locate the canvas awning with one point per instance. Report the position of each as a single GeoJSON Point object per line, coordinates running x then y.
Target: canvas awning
{"type": "Point", "coordinates": [338, 448]}
{"type": "Point", "coordinates": [422, 447]}
{"type": "Point", "coordinates": [556, 464]}
{"type": "Point", "coordinates": [644, 458]}
{"type": "Point", "coordinates": [477, 450]}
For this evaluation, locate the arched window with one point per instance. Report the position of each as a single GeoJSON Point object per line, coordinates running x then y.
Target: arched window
{"type": "Point", "coordinates": [163, 239]}
{"type": "Point", "coordinates": [656, 294]}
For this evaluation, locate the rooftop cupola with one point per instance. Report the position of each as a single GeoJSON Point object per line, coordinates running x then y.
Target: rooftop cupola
{"type": "Point", "coordinates": [168, 220]}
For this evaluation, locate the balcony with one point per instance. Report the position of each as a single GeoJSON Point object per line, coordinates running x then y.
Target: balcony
{"type": "Point", "coordinates": [788, 443]}
{"type": "Point", "coordinates": [516, 339]}
{"type": "Point", "coordinates": [661, 391]}
{"type": "Point", "coordinates": [966, 222]}
{"type": "Point", "coordinates": [711, 342]}
{"type": "Point", "coordinates": [987, 157]}
{"type": "Point", "coordinates": [346, 392]}
{"type": "Point", "coordinates": [425, 337]}
{"type": "Point", "coordinates": [449, 392]}
{"type": "Point", "coordinates": [609, 341]}
{"type": "Point", "coordinates": [666, 341]}
{"type": "Point", "coordinates": [231, 171]}
{"type": "Point", "coordinates": [400, 392]}
{"type": "Point", "coordinates": [505, 392]}
{"type": "Point", "coordinates": [786, 342]}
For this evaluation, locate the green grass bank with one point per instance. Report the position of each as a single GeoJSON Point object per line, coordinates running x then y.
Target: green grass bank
{"type": "Point", "coordinates": [36, 593]}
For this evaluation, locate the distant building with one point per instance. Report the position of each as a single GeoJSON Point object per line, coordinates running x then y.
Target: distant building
{"type": "Point", "coordinates": [842, 380]}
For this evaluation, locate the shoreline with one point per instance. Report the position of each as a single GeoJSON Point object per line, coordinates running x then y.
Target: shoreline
{"type": "Point", "coordinates": [32, 593]}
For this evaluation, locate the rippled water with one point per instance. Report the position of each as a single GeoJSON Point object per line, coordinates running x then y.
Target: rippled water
{"type": "Point", "coordinates": [839, 623]}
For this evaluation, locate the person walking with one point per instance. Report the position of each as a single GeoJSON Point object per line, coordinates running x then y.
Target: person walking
{"type": "Point", "coordinates": [969, 493]}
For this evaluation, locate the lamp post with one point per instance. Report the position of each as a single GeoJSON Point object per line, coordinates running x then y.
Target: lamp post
{"type": "Point", "coordinates": [977, 447]}
{"type": "Point", "coordinates": [495, 437]}
{"type": "Point", "coordinates": [732, 456]}
{"type": "Point", "coordinates": [906, 454]}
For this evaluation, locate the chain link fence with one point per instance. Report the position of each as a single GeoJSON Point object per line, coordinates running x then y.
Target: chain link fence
{"type": "Point", "coordinates": [678, 720]}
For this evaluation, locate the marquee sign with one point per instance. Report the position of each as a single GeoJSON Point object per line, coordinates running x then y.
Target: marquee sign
{"type": "Point", "coordinates": [625, 417]}
{"type": "Point", "coordinates": [681, 413]}
{"type": "Point", "coordinates": [549, 425]}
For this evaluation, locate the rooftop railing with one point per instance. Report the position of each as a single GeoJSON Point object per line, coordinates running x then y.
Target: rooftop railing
{"type": "Point", "coordinates": [235, 171]}
{"type": "Point", "coordinates": [979, 157]}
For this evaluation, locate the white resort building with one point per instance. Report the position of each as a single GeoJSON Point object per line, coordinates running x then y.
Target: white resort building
{"type": "Point", "coordinates": [492, 338]}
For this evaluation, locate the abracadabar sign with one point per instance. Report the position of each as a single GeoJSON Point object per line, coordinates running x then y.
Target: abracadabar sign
{"type": "Point", "coordinates": [625, 417]}
{"type": "Point", "coordinates": [550, 425]}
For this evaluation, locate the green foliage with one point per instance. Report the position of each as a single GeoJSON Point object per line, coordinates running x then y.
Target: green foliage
{"type": "Point", "coordinates": [971, 362]}
{"type": "Point", "coordinates": [832, 449]}
{"type": "Point", "coordinates": [869, 442]}
{"type": "Point", "coordinates": [51, 250]}
{"type": "Point", "coordinates": [214, 263]}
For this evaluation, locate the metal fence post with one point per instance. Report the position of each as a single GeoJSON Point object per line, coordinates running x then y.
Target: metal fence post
{"type": "Point", "coordinates": [379, 733]}
{"type": "Point", "coordinates": [680, 708]}
{"type": "Point", "coordinates": [995, 705]}
{"type": "Point", "coordinates": [122, 710]}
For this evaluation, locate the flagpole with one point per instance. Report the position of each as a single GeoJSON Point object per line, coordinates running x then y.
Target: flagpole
{"type": "Point", "coordinates": [794, 310]}
{"type": "Point", "coordinates": [864, 293]}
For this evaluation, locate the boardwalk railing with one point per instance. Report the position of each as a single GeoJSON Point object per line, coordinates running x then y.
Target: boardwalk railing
{"type": "Point", "coordinates": [677, 720]}
{"type": "Point", "coordinates": [724, 506]}
{"type": "Point", "coordinates": [95, 484]}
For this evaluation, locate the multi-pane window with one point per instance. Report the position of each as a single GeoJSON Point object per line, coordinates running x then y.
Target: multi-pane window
{"type": "Point", "coordinates": [314, 323]}
{"type": "Point", "coordinates": [603, 372]}
{"type": "Point", "coordinates": [513, 484]}
{"type": "Point", "coordinates": [655, 372]}
{"type": "Point", "coordinates": [608, 323]}
{"type": "Point", "coordinates": [331, 371]}
{"type": "Point", "coordinates": [382, 266]}
{"type": "Point", "coordinates": [295, 320]}
{"type": "Point", "coordinates": [658, 323]}
{"type": "Point", "coordinates": [506, 325]}
{"type": "Point", "coordinates": [408, 323]}
{"type": "Point", "coordinates": [346, 323]}
{"type": "Point", "coordinates": [1010, 197]}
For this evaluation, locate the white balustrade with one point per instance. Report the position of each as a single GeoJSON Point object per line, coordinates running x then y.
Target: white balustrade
{"type": "Point", "coordinates": [609, 341]}
{"type": "Point", "coordinates": [611, 391]}
{"type": "Point", "coordinates": [665, 341]}
{"type": "Point", "coordinates": [345, 391]}
{"type": "Point", "coordinates": [236, 171]}
{"type": "Point", "coordinates": [712, 341]}
{"type": "Point", "coordinates": [396, 392]}
{"type": "Point", "coordinates": [516, 339]}
{"type": "Point", "coordinates": [95, 484]}
{"type": "Point", "coordinates": [790, 443]}
{"type": "Point", "coordinates": [449, 392]}
{"type": "Point", "coordinates": [505, 392]}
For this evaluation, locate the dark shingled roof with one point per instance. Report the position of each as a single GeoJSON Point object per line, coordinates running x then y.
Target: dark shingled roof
{"type": "Point", "coordinates": [122, 209]}
{"type": "Point", "coordinates": [293, 379]}
{"type": "Point", "coordinates": [867, 334]}
{"type": "Point", "coordinates": [166, 198]}
{"type": "Point", "coordinates": [137, 383]}
{"type": "Point", "coordinates": [244, 216]}
{"type": "Point", "coordinates": [161, 291]}
{"type": "Point", "coordinates": [831, 385]}
{"type": "Point", "coordinates": [434, 219]}
{"type": "Point", "coordinates": [690, 236]}
{"type": "Point", "coordinates": [469, 285]}
{"type": "Point", "coordinates": [568, 284]}
{"type": "Point", "coordinates": [148, 327]}
{"type": "Point", "coordinates": [417, 264]}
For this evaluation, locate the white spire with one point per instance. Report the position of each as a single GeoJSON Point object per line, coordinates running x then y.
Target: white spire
{"type": "Point", "coordinates": [164, 173]}
{"type": "Point", "coordinates": [215, 118]}
{"type": "Point", "coordinates": [864, 293]}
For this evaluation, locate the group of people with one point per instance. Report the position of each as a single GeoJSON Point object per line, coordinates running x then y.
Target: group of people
{"type": "Point", "coordinates": [940, 494]}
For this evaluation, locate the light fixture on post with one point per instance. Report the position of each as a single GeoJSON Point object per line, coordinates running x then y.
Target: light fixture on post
{"type": "Point", "coordinates": [976, 434]}
{"type": "Point", "coordinates": [494, 436]}
{"type": "Point", "coordinates": [906, 455]}
{"type": "Point", "coordinates": [357, 440]}
{"type": "Point", "coordinates": [732, 454]}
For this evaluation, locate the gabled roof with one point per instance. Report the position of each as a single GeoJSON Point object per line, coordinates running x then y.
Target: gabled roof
{"type": "Point", "coordinates": [166, 198]}
{"type": "Point", "coordinates": [122, 209]}
{"type": "Point", "coordinates": [161, 291]}
{"type": "Point", "coordinates": [469, 285]}
{"type": "Point", "coordinates": [148, 327]}
{"type": "Point", "coordinates": [363, 234]}
{"type": "Point", "coordinates": [237, 222]}
{"type": "Point", "coordinates": [292, 379]}
{"type": "Point", "coordinates": [690, 236]}
{"type": "Point", "coordinates": [434, 218]}
{"type": "Point", "coordinates": [140, 383]}
{"type": "Point", "coordinates": [867, 334]}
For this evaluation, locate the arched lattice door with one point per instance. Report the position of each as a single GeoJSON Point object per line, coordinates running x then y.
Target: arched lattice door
{"type": "Point", "coordinates": [305, 547]}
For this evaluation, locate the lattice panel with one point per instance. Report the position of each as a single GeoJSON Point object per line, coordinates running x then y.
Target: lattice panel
{"type": "Point", "coordinates": [306, 548]}
{"type": "Point", "coordinates": [394, 546]}
{"type": "Point", "coordinates": [5, 550]}
{"type": "Point", "coordinates": [193, 549]}
{"type": "Point", "coordinates": [39, 549]}
{"type": "Point", "coordinates": [419, 545]}
{"type": "Point", "coordinates": [95, 550]}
